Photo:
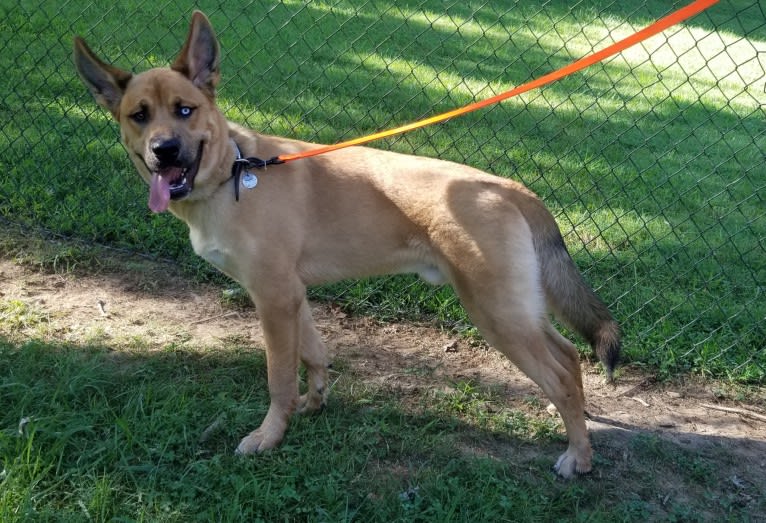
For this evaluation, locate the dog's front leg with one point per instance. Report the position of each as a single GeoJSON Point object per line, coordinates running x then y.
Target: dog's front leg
{"type": "Point", "coordinates": [280, 314]}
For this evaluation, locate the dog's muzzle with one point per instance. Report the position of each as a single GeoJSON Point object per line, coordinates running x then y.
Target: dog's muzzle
{"type": "Point", "coordinates": [172, 174]}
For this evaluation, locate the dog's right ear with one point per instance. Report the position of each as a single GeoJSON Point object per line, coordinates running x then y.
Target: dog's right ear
{"type": "Point", "coordinates": [106, 83]}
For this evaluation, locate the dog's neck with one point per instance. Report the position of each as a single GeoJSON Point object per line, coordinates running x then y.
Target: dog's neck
{"type": "Point", "coordinates": [235, 147]}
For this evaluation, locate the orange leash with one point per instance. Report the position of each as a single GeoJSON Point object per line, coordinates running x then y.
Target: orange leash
{"type": "Point", "coordinates": [660, 25]}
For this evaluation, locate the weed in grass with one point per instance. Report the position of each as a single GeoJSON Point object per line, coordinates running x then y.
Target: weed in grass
{"type": "Point", "coordinates": [16, 315]}
{"type": "Point", "coordinates": [235, 297]}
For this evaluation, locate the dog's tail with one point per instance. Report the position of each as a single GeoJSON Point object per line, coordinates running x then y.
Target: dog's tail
{"type": "Point", "coordinates": [572, 300]}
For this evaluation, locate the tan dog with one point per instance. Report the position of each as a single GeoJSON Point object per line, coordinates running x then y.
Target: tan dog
{"type": "Point", "coordinates": [351, 213]}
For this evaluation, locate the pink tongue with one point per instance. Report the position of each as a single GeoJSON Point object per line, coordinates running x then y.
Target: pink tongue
{"type": "Point", "coordinates": [159, 193]}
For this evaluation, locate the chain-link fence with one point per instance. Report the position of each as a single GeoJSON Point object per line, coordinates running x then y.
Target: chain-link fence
{"type": "Point", "coordinates": [653, 162]}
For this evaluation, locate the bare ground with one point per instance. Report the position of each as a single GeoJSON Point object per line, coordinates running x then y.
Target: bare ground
{"type": "Point", "coordinates": [152, 301]}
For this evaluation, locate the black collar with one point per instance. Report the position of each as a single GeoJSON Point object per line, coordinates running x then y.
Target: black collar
{"type": "Point", "coordinates": [241, 164]}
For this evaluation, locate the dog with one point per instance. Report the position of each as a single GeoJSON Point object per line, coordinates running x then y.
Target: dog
{"type": "Point", "coordinates": [351, 213]}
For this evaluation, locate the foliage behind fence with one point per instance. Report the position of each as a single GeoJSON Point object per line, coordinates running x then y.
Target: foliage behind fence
{"type": "Point", "coordinates": [653, 162]}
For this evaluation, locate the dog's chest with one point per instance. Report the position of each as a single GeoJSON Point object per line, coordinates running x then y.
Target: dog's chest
{"type": "Point", "coordinates": [215, 257]}
{"type": "Point", "coordinates": [211, 250]}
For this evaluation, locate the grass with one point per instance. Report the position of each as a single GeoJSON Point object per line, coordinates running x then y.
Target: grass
{"type": "Point", "coordinates": [651, 161]}
{"type": "Point", "coordinates": [119, 433]}
{"type": "Point", "coordinates": [653, 169]}
{"type": "Point", "coordinates": [140, 427]}
{"type": "Point", "coordinates": [650, 166]}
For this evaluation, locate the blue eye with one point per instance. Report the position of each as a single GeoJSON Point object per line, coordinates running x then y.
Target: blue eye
{"type": "Point", "coordinates": [185, 111]}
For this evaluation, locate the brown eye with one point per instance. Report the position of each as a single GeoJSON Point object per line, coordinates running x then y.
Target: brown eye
{"type": "Point", "coordinates": [139, 116]}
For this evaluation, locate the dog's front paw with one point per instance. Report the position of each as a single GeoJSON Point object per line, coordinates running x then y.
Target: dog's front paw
{"type": "Point", "coordinates": [573, 462]}
{"type": "Point", "coordinates": [259, 440]}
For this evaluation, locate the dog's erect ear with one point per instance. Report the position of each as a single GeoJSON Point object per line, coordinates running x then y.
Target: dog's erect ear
{"type": "Point", "coordinates": [200, 58]}
{"type": "Point", "coordinates": [107, 83]}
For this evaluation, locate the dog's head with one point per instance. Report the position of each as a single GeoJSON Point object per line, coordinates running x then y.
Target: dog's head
{"type": "Point", "coordinates": [169, 123]}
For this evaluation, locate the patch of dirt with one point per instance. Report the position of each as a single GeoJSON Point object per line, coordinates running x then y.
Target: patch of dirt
{"type": "Point", "coordinates": [155, 306]}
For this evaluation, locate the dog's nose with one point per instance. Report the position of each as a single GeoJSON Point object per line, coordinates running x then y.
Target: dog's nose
{"type": "Point", "coordinates": [166, 150]}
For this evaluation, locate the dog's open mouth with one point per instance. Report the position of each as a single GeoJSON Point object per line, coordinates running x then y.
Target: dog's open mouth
{"type": "Point", "coordinates": [172, 183]}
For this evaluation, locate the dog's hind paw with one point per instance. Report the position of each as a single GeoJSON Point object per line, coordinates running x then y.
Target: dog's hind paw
{"type": "Point", "coordinates": [572, 462]}
{"type": "Point", "coordinates": [309, 402]}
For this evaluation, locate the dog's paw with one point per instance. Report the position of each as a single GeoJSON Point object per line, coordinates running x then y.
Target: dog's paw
{"type": "Point", "coordinates": [258, 441]}
{"type": "Point", "coordinates": [312, 402]}
{"type": "Point", "coordinates": [572, 462]}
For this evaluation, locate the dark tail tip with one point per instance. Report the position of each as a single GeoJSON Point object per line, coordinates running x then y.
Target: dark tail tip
{"type": "Point", "coordinates": [607, 345]}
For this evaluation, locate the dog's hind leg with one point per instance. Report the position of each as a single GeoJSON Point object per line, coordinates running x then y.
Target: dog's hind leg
{"type": "Point", "coordinates": [577, 458]}
{"type": "Point", "coordinates": [314, 358]}
{"type": "Point", "coordinates": [554, 366]}
{"type": "Point", "coordinates": [501, 290]}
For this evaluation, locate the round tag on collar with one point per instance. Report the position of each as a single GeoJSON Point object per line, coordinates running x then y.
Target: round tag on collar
{"type": "Point", "coordinates": [249, 180]}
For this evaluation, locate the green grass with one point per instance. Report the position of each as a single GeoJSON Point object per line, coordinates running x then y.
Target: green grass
{"type": "Point", "coordinates": [112, 425]}
{"type": "Point", "coordinates": [107, 433]}
{"type": "Point", "coordinates": [652, 167]}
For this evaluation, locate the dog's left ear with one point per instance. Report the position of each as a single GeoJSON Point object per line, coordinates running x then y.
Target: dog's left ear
{"type": "Point", "coordinates": [199, 60]}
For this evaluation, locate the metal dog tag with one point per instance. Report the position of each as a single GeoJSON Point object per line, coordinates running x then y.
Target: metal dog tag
{"type": "Point", "coordinates": [249, 180]}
